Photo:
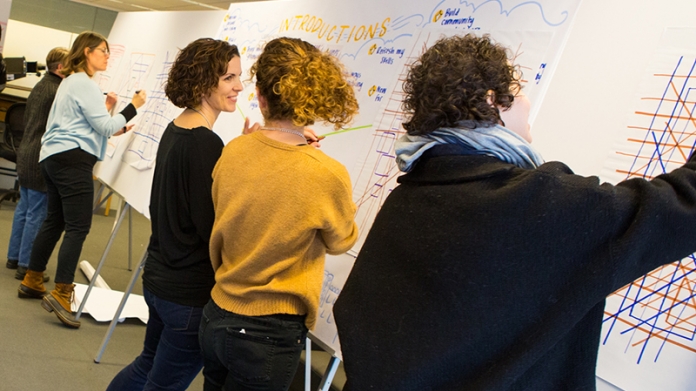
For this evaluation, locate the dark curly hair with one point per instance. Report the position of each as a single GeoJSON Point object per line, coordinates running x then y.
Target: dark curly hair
{"type": "Point", "coordinates": [449, 83]}
{"type": "Point", "coordinates": [303, 84]}
{"type": "Point", "coordinates": [197, 70]}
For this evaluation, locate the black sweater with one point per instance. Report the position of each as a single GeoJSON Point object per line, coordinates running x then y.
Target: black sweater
{"type": "Point", "coordinates": [35, 117]}
{"type": "Point", "coordinates": [178, 267]}
{"type": "Point", "coordinates": [479, 275]}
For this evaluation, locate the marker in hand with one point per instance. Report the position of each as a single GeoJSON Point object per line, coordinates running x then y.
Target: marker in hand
{"type": "Point", "coordinates": [319, 138]}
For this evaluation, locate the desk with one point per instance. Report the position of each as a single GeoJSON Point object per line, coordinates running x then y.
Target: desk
{"type": "Point", "coordinates": [16, 91]}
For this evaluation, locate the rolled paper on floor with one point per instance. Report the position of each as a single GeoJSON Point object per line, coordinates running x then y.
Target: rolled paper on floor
{"type": "Point", "coordinates": [88, 271]}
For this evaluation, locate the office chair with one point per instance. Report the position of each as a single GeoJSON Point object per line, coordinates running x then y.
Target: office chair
{"type": "Point", "coordinates": [11, 138]}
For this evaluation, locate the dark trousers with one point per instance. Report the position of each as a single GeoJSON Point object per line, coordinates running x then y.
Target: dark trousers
{"type": "Point", "coordinates": [171, 357]}
{"type": "Point", "coordinates": [70, 191]}
{"type": "Point", "coordinates": [245, 353]}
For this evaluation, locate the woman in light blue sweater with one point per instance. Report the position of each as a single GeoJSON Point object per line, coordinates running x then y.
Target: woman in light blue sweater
{"type": "Point", "coordinates": [76, 137]}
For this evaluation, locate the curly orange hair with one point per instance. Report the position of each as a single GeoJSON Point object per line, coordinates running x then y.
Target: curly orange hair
{"type": "Point", "coordinates": [301, 83]}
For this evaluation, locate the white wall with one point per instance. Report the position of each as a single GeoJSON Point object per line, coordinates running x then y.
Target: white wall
{"type": "Point", "coordinates": [32, 41]}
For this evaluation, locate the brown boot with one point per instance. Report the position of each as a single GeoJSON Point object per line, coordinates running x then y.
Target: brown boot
{"type": "Point", "coordinates": [59, 301]}
{"type": "Point", "coordinates": [32, 286]}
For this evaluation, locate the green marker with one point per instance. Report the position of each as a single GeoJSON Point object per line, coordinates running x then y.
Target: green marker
{"type": "Point", "coordinates": [344, 131]}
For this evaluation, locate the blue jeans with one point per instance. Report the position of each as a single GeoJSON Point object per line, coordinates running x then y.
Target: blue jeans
{"type": "Point", "coordinates": [245, 353]}
{"type": "Point", "coordinates": [28, 217]}
{"type": "Point", "coordinates": [171, 357]}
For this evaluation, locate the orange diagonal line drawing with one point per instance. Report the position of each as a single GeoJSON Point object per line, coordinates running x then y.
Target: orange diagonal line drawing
{"type": "Point", "coordinates": [667, 100]}
{"type": "Point", "coordinates": [684, 105]}
{"type": "Point", "coordinates": [675, 76]}
{"type": "Point", "coordinates": [676, 142]}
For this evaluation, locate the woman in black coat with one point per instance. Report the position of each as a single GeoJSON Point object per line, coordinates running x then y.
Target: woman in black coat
{"type": "Point", "coordinates": [487, 269]}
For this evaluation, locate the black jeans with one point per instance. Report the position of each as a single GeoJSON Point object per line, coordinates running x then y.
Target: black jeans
{"type": "Point", "coordinates": [244, 353]}
{"type": "Point", "coordinates": [70, 190]}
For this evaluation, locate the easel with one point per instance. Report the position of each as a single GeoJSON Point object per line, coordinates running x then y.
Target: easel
{"type": "Point", "coordinates": [114, 321]}
{"type": "Point", "coordinates": [331, 369]}
{"type": "Point", "coordinates": [126, 209]}
{"type": "Point", "coordinates": [99, 201]}
{"type": "Point", "coordinates": [122, 211]}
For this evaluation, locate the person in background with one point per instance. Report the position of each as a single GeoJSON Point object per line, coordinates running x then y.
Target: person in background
{"type": "Point", "coordinates": [31, 209]}
{"type": "Point", "coordinates": [178, 276]}
{"type": "Point", "coordinates": [280, 206]}
{"type": "Point", "coordinates": [487, 269]}
{"type": "Point", "coordinates": [77, 130]}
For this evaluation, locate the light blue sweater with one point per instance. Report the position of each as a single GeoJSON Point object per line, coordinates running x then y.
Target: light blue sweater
{"type": "Point", "coordinates": [79, 119]}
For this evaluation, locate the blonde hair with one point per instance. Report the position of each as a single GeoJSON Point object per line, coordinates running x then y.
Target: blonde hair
{"type": "Point", "coordinates": [56, 57]}
{"type": "Point", "coordinates": [77, 60]}
{"type": "Point", "coordinates": [301, 83]}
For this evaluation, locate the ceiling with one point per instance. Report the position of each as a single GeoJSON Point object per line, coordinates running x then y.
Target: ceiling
{"type": "Point", "coordinates": [158, 5]}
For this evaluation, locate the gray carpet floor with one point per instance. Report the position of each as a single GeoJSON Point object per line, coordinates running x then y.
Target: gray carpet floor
{"type": "Point", "coordinates": [36, 351]}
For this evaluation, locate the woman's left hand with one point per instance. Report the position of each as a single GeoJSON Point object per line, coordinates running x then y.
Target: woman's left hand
{"type": "Point", "coordinates": [124, 130]}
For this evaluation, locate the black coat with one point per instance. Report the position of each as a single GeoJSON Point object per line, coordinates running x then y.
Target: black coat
{"type": "Point", "coordinates": [479, 275]}
{"type": "Point", "coordinates": [35, 118]}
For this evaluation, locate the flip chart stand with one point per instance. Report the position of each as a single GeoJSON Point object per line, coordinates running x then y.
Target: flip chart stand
{"type": "Point", "coordinates": [308, 365]}
{"type": "Point", "coordinates": [331, 369]}
{"type": "Point", "coordinates": [117, 315]}
{"type": "Point", "coordinates": [99, 201]}
{"type": "Point", "coordinates": [126, 210]}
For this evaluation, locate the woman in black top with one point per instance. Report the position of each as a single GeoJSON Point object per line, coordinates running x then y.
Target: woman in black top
{"type": "Point", "coordinates": [178, 275]}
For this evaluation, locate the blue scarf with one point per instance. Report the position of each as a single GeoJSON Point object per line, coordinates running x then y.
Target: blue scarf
{"type": "Point", "coordinates": [495, 141]}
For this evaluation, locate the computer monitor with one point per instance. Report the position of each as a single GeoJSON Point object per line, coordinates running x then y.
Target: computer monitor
{"type": "Point", "coordinates": [32, 67]}
{"type": "Point", "coordinates": [16, 67]}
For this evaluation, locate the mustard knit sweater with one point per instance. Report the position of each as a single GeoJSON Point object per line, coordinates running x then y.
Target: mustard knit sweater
{"type": "Point", "coordinates": [279, 209]}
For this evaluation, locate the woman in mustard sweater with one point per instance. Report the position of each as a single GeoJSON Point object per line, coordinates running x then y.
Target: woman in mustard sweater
{"type": "Point", "coordinates": [280, 206]}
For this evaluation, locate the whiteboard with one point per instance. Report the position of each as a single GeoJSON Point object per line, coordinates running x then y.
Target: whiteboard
{"type": "Point", "coordinates": [611, 54]}
{"type": "Point", "coordinates": [375, 47]}
{"type": "Point", "coordinates": [143, 46]}
{"type": "Point", "coordinates": [649, 333]}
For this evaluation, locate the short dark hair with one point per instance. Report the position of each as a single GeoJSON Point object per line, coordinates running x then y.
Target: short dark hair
{"type": "Point", "coordinates": [197, 70]}
{"type": "Point", "coordinates": [449, 83]}
{"type": "Point", "coordinates": [77, 60]}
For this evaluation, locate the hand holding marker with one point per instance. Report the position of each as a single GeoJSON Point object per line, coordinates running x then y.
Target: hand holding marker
{"type": "Point", "coordinates": [138, 100]}
{"type": "Point", "coordinates": [250, 129]}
